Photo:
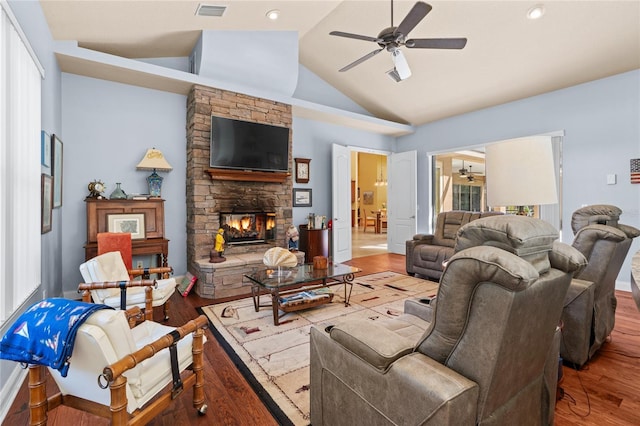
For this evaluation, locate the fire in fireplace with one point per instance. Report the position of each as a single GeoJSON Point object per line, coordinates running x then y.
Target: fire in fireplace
{"type": "Point", "coordinates": [248, 228]}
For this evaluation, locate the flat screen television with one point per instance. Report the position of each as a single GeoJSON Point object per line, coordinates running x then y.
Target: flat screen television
{"type": "Point", "coordinates": [244, 145]}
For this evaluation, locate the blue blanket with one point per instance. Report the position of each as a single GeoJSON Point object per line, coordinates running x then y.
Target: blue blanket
{"type": "Point", "coordinates": [45, 333]}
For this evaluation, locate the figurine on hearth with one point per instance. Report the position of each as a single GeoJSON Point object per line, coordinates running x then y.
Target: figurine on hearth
{"type": "Point", "coordinates": [218, 249]}
{"type": "Point", "coordinates": [292, 238]}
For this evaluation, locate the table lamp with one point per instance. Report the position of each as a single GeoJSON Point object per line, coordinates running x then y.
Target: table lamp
{"type": "Point", "coordinates": [520, 172]}
{"type": "Point", "coordinates": [154, 160]}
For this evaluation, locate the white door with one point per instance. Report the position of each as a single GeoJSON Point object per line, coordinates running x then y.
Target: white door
{"type": "Point", "coordinates": [341, 200]}
{"type": "Point", "coordinates": [402, 196]}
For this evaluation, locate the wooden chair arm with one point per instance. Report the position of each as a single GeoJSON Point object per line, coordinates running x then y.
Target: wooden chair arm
{"type": "Point", "coordinates": [134, 315]}
{"type": "Point", "coordinates": [116, 284]}
{"type": "Point", "coordinates": [149, 285]}
{"type": "Point", "coordinates": [114, 371]}
{"type": "Point", "coordinates": [145, 272]}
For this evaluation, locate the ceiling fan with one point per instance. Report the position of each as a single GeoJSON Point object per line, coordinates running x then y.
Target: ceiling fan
{"type": "Point", "coordinates": [393, 38]}
{"type": "Point", "coordinates": [466, 173]}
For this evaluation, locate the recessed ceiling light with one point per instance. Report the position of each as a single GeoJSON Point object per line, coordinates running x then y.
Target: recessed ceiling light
{"type": "Point", "coordinates": [535, 12]}
{"type": "Point", "coordinates": [273, 14]}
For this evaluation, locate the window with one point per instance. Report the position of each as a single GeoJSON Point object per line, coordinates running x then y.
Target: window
{"type": "Point", "coordinates": [20, 109]}
{"type": "Point", "coordinates": [467, 197]}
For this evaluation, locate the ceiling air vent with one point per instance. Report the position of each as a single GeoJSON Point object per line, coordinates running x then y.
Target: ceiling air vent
{"type": "Point", "coordinates": [210, 10]}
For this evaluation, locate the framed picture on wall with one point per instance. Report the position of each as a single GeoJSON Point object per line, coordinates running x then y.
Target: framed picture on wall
{"type": "Point", "coordinates": [367, 197]}
{"type": "Point", "coordinates": [301, 197]}
{"type": "Point", "coordinates": [45, 149]}
{"type": "Point", "coordinates": [56, 171]}
{"type": "Point", "coordinates": [132, 223]}
{"type": "Point", "coordinates": [46, 193]}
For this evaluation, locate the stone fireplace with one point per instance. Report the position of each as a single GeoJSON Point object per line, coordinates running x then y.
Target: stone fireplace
{"type": "Point", "coordinates": [211, 199]}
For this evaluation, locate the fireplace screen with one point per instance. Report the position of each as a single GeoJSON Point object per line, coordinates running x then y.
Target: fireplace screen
{"type": "Point", "coordinates": [247, 228]}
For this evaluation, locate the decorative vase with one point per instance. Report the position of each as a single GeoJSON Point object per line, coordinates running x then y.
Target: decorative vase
{"type": "Point", "coordinates": [155, 184]}
{"type": "Point", "coordinates": [118, 193]}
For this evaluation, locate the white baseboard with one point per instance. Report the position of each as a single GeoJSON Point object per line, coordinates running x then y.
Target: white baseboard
{"type": "Point", "coordinates": [623, 285]}
{"type": "Point", "coordinates": [11, 387]}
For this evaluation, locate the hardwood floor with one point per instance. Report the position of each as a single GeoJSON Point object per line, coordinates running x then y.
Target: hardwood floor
{"type": "Point", "coordinates": [603, 393]}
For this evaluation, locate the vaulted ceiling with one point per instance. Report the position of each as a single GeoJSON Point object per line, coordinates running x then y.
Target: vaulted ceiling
{"type": "Point", "coordinates": [507, 56]}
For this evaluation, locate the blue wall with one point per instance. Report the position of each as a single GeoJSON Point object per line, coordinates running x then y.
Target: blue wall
{"type": "Point", "coordinates": [314, 139]}
{"type": "Point", "coordinates": [601, 120]}
{"type": "Point", "coordinates": [107, 129]}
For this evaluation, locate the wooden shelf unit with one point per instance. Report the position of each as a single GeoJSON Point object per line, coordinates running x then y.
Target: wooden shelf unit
{"type": "Point", "coordinates": [98, 211]}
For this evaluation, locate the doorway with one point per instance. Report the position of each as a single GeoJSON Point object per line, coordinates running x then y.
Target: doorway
{"type": "Point", "coordinates": [368, 203]}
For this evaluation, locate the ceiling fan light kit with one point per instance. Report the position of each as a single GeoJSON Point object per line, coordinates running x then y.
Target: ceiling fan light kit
{"type": "Point", "coordinates": [392, 38]}
{"type": "Point", "coordinates": [393, 74]}
{"type": "Point", "coordinates": [400, 64]}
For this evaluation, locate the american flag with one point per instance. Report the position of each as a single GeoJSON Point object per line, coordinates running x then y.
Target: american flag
{"type": "Point", "coordinates": [635, 170]}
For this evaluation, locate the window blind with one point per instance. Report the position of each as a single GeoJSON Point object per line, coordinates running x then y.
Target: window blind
{"type": "Point", "coordinates": [20, 115]}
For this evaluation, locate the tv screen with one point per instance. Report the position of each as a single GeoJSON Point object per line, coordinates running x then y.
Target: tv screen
{"type": "Point", "coordinates": [237, 144]}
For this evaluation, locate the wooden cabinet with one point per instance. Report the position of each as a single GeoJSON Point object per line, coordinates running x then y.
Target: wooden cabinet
{"type": "Point", "coordinates": [314, 242]}
{"type": "Point", "coordinates": [98, 212]}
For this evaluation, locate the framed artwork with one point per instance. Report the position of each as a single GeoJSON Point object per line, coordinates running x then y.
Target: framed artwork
{"type": "Point", "coordinates": [302, 170]}
{"type": "Point", "coordinates": [132, 223]}
{"type": "Point", "coordinates": [46, 193]}
{"type": "Point", "coordinates": [56, 172]}
{"type": "Point", "coordinates": [367, 197]}
{"type": "Point", "coordinates": [301, 197]}
{"type": "Point", "coordinates": [45, 149]}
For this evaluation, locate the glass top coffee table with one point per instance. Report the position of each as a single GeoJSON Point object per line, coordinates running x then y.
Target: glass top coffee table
{"type": "Point", "coordinates": [287, 290]}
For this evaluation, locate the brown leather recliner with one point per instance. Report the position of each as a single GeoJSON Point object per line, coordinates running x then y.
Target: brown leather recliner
{"type": "Point", "coordinates": [484, 355]}
{"type": "Point", "coordinates": [590, 306]}
{"type": "Point", "coordinates": [426, 253]}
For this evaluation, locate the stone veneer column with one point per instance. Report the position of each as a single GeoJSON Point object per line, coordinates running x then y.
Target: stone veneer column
{"type": "Point", "coordinates": [205, 197]}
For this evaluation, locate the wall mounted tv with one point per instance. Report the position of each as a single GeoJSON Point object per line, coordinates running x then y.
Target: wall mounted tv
{"type": "Point", "coordinates": [244, 145]}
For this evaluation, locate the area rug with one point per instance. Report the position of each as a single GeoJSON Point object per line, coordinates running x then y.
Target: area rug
{"type": "Point", "coordinates": [275, 359]}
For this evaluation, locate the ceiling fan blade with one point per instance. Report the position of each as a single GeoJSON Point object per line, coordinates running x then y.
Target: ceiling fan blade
{"type": "Point", "coordinates": [415, 15]}
{"type": "Point", "coordinates": [356, 36]}
{"type": "Point", "coordinates": [361, 60]}
{"type": "Point", "coordinates": [436, 43]}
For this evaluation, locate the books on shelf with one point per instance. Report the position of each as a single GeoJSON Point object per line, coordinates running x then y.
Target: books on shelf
{"type": "Point", "coordinates": [187, 283]}
{"type": "Point", "coordinates": [138, 196]}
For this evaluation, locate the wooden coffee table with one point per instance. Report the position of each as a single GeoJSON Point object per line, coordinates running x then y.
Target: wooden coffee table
{"type": "Point", "coordinates": [285, 282]}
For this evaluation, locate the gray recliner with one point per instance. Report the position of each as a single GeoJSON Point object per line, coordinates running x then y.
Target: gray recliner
{"type": "Point", "coordinates": [487, 353]}
{"type": "Point", "coordinates": [426, 254]}
{"type": "Point", "coordinates": [590, 306]}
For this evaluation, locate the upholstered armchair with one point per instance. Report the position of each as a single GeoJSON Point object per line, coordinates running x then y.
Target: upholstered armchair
{"type": "Point", "coordinates": [589, 313]}
{"type": "Point", "coordinates": [106, 278]}
{"type": "Point", "coordinates": [484, 354]}
{"type": "Point", "coordinates": [101, 365]}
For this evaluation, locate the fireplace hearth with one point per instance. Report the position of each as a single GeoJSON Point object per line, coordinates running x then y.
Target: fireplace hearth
{"type": "Point", "coordinates": [248, 227]}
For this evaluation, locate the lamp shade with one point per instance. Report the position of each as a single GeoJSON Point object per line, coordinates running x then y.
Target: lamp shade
{"type": "Point", "coordinates": [154, 160]}
{"type": "Point", "coordinates": [520, 172]}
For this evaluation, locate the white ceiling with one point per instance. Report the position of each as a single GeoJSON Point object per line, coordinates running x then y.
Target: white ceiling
{"type": "Point", "coordinates": [507, 56]}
